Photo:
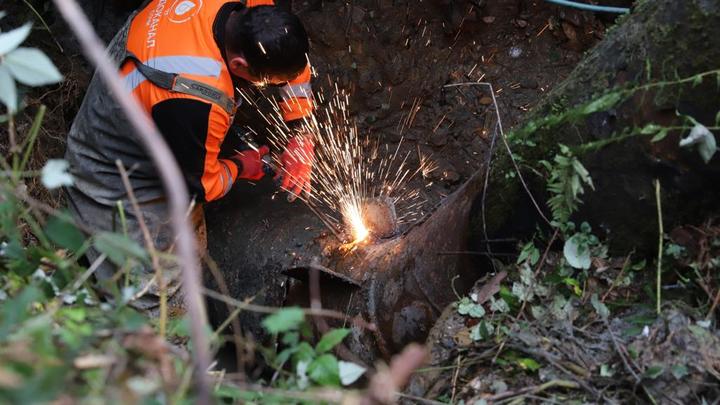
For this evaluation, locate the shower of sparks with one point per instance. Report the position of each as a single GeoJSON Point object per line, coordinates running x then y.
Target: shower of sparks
{"type": "Point", "coordinates": [350, 168]}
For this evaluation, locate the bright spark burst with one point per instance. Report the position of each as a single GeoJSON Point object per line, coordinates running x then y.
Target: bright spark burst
{"type": "Point", "coordinates": [350, 168]}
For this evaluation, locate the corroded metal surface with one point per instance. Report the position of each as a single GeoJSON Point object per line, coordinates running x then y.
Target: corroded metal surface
{"type": "Point", "coordinates": [401, 284]}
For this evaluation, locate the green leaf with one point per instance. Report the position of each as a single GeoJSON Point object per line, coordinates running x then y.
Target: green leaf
{"type": "Point", "coordinates": [325, 370]}
{"type": "Point", "coordinates": [499, 305]}
{"type": "Point", "coordinates": [467, 307]}
{"type": "Point", "coordinates": [291, 338]}
{"type": "Point", "coordinates": [602, 103]}
{"type": "Point", "coordinates": [679, 371]}
{"type": "Point", "coordinates": [8, 92]}
{"type": "Point", "coordinates": [606, 371]}
{"type": "Point", "coordinates": [655, 371]}
{"type": "Point", "coordinates": [522, 292]}
{"type": "Point", "coordinates": [600, 307]}
{"type": "Point", "coordinates": [31, 67]}
{"type": "Point", "coordinates": [482, 331]}
{"type": "Point", "coordinates": [284, 320]}
{"type": "Point", "coordinates": [576, 255]}
{"type": "Point", "coordinates": [349, 372]}
{"type": "Point", "coordinates": [508, 296]}
{"type": "Point", "coordinates": [12, 39]}
{"type": "Point", "coordinates": [528, 364]}
{"type": "Point", "coordinates": [561, 308]}
{"type": "Point", "coordinates": [697, 80]}
{"type": "Point", "coordinates": [650, 129]}
{"type": "Point", "coordinates": [16, 310]}
{"type": "Point", "coordinates": [64, 233]}
{"type": "Point", "coordinates": [331, 339]}
{"type": "Point", "coordinates": [284, 356]}
{"type": "Point", "coordinates": [660, 135]}
{"type": "Point", "coordinates": [304, 352]}
{"type": "Point", "coordinates": [574, 284]}
{"type": "Point", "coordinates": [529, 252]}
{"type": "Point", "coordinates": [119, 248]}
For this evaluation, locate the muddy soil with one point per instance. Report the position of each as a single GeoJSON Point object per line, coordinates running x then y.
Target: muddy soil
{"type": "Point", "coordinates": [396, 56]}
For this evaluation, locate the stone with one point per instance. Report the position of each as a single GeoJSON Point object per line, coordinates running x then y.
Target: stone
{"type": "Point", "coordinates": [486, 100]}
{"type": "Point", "coordinates": [488, 19]}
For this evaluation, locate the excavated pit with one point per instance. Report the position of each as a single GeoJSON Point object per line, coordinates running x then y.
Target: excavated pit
{"type": "Point", "coordinates": [394, 59]}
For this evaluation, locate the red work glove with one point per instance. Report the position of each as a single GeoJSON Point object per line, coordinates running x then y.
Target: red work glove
{"type": "Point", "coordinates": [250, 164]}
{"type": "Point", "coordinates": [297, 163]}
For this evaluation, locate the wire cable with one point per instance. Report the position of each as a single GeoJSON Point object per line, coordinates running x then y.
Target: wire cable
{"type": "Point", "coordinates": [590, 7]}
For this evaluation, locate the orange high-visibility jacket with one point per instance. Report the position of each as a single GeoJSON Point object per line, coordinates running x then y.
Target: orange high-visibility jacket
{"type": "Point", "coordinates": [186, 37]}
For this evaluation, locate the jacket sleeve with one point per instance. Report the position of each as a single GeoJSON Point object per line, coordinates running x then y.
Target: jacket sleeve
{"type": "Point", "coordinates": [255, 3]}
{"type": "Point", "coordinates": [195, 130]}
{"type": "Point", "coordinates": [296, 97]}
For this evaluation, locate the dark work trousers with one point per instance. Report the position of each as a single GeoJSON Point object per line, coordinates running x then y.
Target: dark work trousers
{"type": "Point", "coordinates": [141, 275]}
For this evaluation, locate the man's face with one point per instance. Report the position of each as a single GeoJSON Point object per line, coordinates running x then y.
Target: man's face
{"type": "Point", "coordinates": [273, 80]}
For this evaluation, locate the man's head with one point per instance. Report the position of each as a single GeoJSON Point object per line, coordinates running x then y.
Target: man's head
{"type": "Point", "coordinates": [266, 42]}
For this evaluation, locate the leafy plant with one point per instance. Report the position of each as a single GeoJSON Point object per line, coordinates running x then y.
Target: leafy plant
{"type": "Point", "coordinates": [567, 179]}
{"type": "Point", "coordinates": [579, 247]}
{"type": "Point", "coordinates": [530, 253]}
{"type": "Point", "coordinates": [308, 365]}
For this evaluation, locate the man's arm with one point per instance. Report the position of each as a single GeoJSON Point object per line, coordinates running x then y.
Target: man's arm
{"type": "Point", "coordinates": [194, 130]}
{"type": "Point", "coordinates": [297, 99]}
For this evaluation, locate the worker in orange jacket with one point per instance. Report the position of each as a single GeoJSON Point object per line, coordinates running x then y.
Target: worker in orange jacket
{"type": "Point", "coordinates": [183, 60]}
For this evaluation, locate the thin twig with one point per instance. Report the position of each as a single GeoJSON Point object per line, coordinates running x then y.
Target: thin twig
{"type": "Point", "coordinates": [658, 287]}
{"type": "Point", "coordinates": [172, 180]}
{"type": "Point", "coordinates": [357, 321]}
{"type": "Point", "coordinates": [620, 352]}
{"type": "Point", "coordinates": [507, 145]}
{"type": "Point", "coordinates": [86, 275]}
{"type": "Point", "coordinates": [615, 282]}
{"type": "Point", "coordinates": [534, 389]}
{"type": "Point", "coordinates": [714, 305]}
{"type": "Point", "coordinates": [454, 380]}
{"type": "Point", "coordinates": [42, 21]}
{"type": "Point", "coordinates": [419, 400]}
{"type": "Point", "coordinates": [149, 245]}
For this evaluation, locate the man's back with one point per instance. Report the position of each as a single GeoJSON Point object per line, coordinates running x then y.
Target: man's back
{"type": "Point", "coordinates": [172, 37]}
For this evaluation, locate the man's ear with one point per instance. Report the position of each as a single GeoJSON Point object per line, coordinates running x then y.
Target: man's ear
{"type": "Point", "coordinates": [238, 65]}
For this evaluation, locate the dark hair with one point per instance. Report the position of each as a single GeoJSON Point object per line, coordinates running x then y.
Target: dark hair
{"type": "Point", "coordinates": [272, 40]}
